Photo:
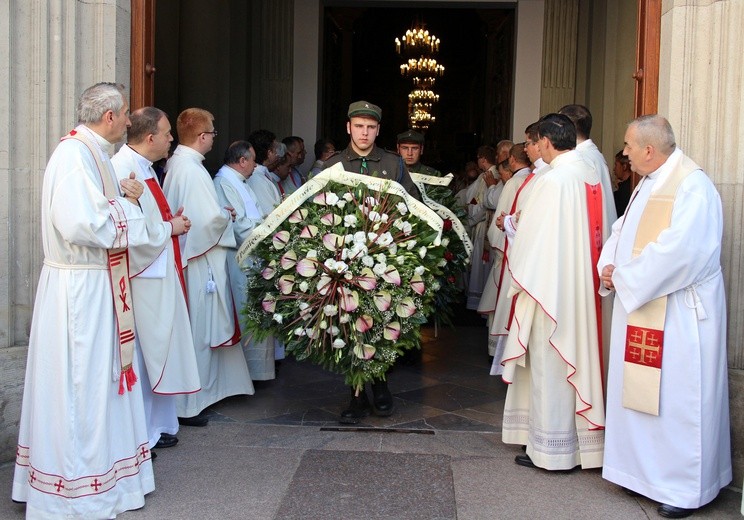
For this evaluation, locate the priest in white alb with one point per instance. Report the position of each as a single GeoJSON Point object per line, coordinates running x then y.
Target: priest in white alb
{"type": "Point", "coordinates": [500, 278]}
{"type": "Point", "coordinates": [668, 435]}
{"type": "Point", "coordinates": [231, 184]}
{"type": "Point", "coordinates": [158, 285]}
{"type": "Point", "coordinates": [214, 316]}
{"type": "Point", "coordinates": [82, 447]}
{"type": "Point", "coordinates": [552, 359]}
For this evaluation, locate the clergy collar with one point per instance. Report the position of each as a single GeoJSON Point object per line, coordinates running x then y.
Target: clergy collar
{"type": "Point", "coordinates": [563, 158]}
{"type": "Point", "coordinates": [106, 146]}
{"type": "Point", "coordinates": [232, 171]}
{"type": "Point", "coordinates": [663, 171]}
{"type": "Point", "coordinates": [187, 151]}
{"type": "Point", "coordinates": [586, 143]}
{"type": "Point", "coordinates": [140, 159]}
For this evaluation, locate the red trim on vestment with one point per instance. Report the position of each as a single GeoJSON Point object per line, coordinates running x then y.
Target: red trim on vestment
{"type": "Point", "coordinates": [595, 213]}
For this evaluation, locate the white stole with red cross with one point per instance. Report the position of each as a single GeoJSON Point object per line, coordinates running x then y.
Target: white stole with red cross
{"type": "Point", "coordinates": [644, 339]}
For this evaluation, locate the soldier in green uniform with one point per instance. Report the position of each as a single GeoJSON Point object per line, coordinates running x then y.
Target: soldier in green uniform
{"type": "Point", "coordinates": [411, 148]}
{"type": "Point", "coordinates": [363, 155]}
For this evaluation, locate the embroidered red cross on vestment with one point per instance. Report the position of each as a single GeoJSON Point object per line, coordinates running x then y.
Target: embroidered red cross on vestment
{"type": "Point", "coordinates": [644, 346]}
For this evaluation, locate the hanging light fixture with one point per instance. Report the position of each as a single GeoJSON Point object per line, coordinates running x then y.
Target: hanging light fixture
{"type": "Point", "coordinates": [419, 48]}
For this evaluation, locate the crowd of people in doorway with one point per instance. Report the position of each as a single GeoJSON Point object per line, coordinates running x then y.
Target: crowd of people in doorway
{"type": "Point", "coordinates": [136, 327]}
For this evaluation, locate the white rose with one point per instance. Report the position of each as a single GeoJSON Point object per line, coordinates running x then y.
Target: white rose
{"type": "Point", "coordinates": [385, 239]}
{"type": "Point", "coordinates": [303, 305]}
{"type": "Point", "coordinates": [311, 254]}
{"type": "Point", "coordinates": [339, 343]}
{"type": "Point", "coordinates": [442, 263]}
{"type": "Point", "coordinates": [402, 208]}
{"type": "Point", "coordinates": [379, 269]}
{"type": "Point", "coordinates": [407, 228]}
{"type": "Point", "coordinates": [420, 270]}
{"type": "Point", "coordinates": [384, 217]}
{"type": "Point", "coordinates": [410, 245]}
{"type": "Point", "coordinates": [445, 242]}
{"type": "Point", "coordinates": [299, 331]}
{"type": "Point", "coordinates": [360, 237]}
{"type": "Point", "coordinates": [435, 286]}
{"type": "Point", "coordinates": [304, 286]}
{"type": "Point", "coordinates": [345, 318]}
{"type": "Point", "coordinates": [381, 258]}
{"type": "Point", "coordinates": [330, 310]}
{"type": "Point", "coordinates": [393, 249]}
{"type": "Point", "coordinates": [340, 204]}
{"type": "Point", "coordinates": [368, 260]}
{"type": "Point", "coordinates": [350, 221]}
{"type": "Point", "coordinates": [277, 318]}
{"type": "Point", "coordinates": [401, 260]}
{"type": "Point", "coordinates": [331, 198]}
{"type": "Point", "coordinates": [374, 216]}
{"type": "Point", "coordinates": [333, 330]}
{"type": "Point", "coordinates": [422, 252]}
{"type": "Point", "coordinates": [347, 197]}
{"type": "Point", "coordinates": [348, 239]}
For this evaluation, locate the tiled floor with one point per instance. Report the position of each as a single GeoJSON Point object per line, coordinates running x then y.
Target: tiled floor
{"type": "Point", "coordinates": [446, 387]}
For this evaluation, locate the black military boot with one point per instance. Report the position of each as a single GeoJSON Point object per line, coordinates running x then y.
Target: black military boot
{"type": "Point", "coordinates": [382, 399]}
{"type": "Point", "coordinates": [358, 408]}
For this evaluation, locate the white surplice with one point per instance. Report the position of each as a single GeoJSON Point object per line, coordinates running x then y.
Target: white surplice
{"type": "Point", "coordinates": [222, 368]}
{"type": "Point", "coordinates": [82, 448]}
{"type": "Point", "coordinates": [681, 457]}
{"type": "Point", "coordinates": [233, 190]}
{"type": "Point", "coordinates": [478, 220]}
{"type": "Point", "coordinates": [554, 403]}
{"type": "Point", "coordinates": [162, 317]}
{"type": "Point", "coordinates": [499, 329]}
{"type": "Point", "coordinates": [499, 276]}
{"type": "Point", "coordinates": [267, 194]}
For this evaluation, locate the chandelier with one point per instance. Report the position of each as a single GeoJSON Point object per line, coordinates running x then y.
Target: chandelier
{"type": "Point", "coordinates": [419, 48]}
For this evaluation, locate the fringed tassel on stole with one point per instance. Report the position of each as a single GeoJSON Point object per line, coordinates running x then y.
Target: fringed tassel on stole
{"type": "Point", "coordinates": [130, 377]}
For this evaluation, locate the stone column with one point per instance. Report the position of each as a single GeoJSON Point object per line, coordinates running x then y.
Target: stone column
{"type": "Point", "coordinates": [700, 93]}
{"type": "Point", "coordinates": [50, 51]}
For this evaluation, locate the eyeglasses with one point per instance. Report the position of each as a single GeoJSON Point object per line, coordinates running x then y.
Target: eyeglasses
{"type": "Point", "coordinates": [213, 132]}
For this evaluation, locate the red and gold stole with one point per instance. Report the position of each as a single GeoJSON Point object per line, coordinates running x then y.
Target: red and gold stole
{"type": "Point", "coordinates": [118, 264]}
{"type": "Point", "coordinates": [644, 339]}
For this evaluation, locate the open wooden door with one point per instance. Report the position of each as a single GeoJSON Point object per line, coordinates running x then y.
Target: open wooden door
{"type": "Point", "coordinates": [647, 57]}
{"type": "Point", "coordinates": [142, 72]}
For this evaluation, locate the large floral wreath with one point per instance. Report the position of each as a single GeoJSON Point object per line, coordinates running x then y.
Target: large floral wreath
{"type": "Point", "coordinates": [458, 247]}
{"type": "Point", "coordinates": [345, 272]}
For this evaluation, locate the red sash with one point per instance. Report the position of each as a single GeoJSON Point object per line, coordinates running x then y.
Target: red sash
{"type": "Point", "coordinates": [166, 214]}
{"type": "Point", "coordinates": [506, 247]}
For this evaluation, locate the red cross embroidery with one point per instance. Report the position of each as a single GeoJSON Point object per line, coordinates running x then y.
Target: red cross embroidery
{"type": "Point", "coordinates": [123, 294]}
{"type": "Point", "coordinates": [644, 346]}
{"type": "Point", "coordinates": [32, 477]}
{"type": "Point", "coordinates": [144, 452]}
{"type": "Point", "coordinates": [95, 485]}
{"type": "Point", "coordinates": [59, 485]}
